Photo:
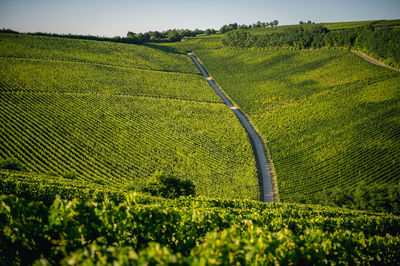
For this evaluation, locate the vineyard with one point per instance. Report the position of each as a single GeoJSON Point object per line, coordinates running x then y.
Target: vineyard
{"type": "Point", "coordinates": [329, 118]}
{"type": "Point", "coordinates": [103, 53]}
{"type": "Point", "coordinates": [92, 132]}
{"type": "Point", "coordinates": [103, 126]}
{"type": "Point", "coordinates": [33, 75]}
{"type": "Point", "coordinates": [143, 229]}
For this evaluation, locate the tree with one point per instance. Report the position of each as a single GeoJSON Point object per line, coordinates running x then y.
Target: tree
{"type": "Point", "coordinates": [210, 31]}
{"type": "Point", "coordinates": [11, 164]}
{"type": "Point", "coordinates": [276, 22]}
{"type": "Point", "coordinates": [174, 36]}
{"type": "Point", "coordinates": [168, 186]}
{"type": "Point", "coordinates": [301, 22]}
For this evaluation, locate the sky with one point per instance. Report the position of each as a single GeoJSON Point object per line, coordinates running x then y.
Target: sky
{"type": "Point", "coordinates": [117, 17]}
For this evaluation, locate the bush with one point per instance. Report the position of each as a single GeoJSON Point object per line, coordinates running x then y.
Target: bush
{"type": "Point", "coordinates": [11, 164]}
{"type": "Point", "coordinates": [70, 175]}
{"type": "Point", "coordinates": [371, 197]}
{"type": "Point", "coordinates": [174, 36]}
{"type": "Point", "coordinates": [168, 186]}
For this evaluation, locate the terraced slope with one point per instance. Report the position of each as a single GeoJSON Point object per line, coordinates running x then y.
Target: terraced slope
{"type": "Point", "coordinates": [114, 126]}
{"type": "Point", "coordinates": [330, 119]}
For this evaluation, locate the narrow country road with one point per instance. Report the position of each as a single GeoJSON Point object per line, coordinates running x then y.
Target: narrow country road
{"type": "Point", "coordinates": [258, 147]}
{"type": "Point", "coordinates": [373, 60]}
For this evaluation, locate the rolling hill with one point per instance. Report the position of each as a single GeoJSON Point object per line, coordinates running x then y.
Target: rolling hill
{"type": "Point", "coordinates": [111, 115]}
{"type": "Point", "coordinates": [329, 118]}
{"type": "Point", "coordinates": [86, 124]}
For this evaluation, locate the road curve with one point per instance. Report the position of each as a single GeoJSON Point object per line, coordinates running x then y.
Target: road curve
{"type": "Point", "coordinates": [257, 144]}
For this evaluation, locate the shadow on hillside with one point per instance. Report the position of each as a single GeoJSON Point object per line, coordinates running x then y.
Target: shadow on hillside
{"type": "Point", "coordinates": [163, 48]}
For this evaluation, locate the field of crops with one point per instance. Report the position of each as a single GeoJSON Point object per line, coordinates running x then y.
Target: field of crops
{"type": "Point", "coordinates": [355, 24]}
{"type": "Point", "coordinates": [37, 75]}
{"type": "Point", "coordinates": [84, 125]}
{"type": "Point", "coordinates": [329, 118]}
{"type": "Point", "coordinates": [143, 229]}
{"type": "Point", "coordinates": [113, 127]}
{"type": "Point", "coordinates": [105, 53]}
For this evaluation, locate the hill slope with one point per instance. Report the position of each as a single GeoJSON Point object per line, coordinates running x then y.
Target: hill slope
{"type": "Point", "coordinates": [113, 114]}
{"type": "Point", "coordinates": [329, 118]}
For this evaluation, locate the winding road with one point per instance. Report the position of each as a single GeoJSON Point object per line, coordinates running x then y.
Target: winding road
{"type": "Point", "coordinates": [257, 144]}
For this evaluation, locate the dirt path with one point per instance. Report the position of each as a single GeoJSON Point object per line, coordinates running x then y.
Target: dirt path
{"type": "Point", "coordinates": [373, 60]}
{"type": "Point", "coordinates": [256, 142]}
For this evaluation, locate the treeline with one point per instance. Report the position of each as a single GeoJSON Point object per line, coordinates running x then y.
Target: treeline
{"type": "Point", "coordinates": [6, 30]}
{"type": "Point", "coordinates": [381, 42]}
{"type": "Point", "coordinates": [259, 24]}
{"type": "Point", "coordinates": [165, 36]}
{"type": "Point", "coordinates": [132, 38]}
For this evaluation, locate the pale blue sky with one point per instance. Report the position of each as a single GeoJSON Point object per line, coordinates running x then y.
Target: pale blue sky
{"type": "Point", "coordinates": [117, 17]}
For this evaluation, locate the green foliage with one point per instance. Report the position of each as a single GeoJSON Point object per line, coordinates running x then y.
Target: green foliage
{"type": "Point", "coordinates": [11, 164]}
{"type": "Point", "coordinates": [382, 42]}
{"type": "Point", "coordinates": [210, 31]}
{"type": "Point", "coordinates": [372, 197]}
{"type": "Point", "coordinates": [192, 231]}
{"type": "Point", "coordinates": [329, 118]}
{"type": "Point", "coordinates": [360, 24]}
{"type": "Point", "coordinates": [70, 175]}
{"type": "Point", "coordinates": [168, 186]}
{"type": "Point", "coordinates": [174, 36]}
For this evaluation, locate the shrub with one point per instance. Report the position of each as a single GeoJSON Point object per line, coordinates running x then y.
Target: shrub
{"type": "Point", "coordinates": [11, 164]}
{"type": "Point", "coordinates": [70, 174]}
{"type": "Point", "coordinates": [99, 181]}
{"type": "Point", "coordinates": [168, 186]}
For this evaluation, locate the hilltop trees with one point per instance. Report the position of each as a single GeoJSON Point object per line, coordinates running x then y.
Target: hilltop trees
{"type": "Point", "coordinates": [258, 24]}
{"type": "Point", "coordinates": [174, 36]}
{"type": "Point", "coordinates": [210, 31]}
{"type": "Point", "coordinates": [383, 42]}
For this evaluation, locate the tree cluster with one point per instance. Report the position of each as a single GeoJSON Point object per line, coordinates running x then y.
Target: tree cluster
{"type": "Point", "coordinates": [372, 197]}
{"type": "Point", "coordinates": [259, 24]}
{"type": "Point", "coordinates": [169, 186]}
{"type": "Point", "coordinates": [6, 30]}
{"type": "Point", "coordinates": [308, 22]}
{"type": "Point", "coordinates": [383, 42]}
{"type": "Point", "coordinates": [174, 35]}
{"type": "Point", "coordinates": [165, 36]}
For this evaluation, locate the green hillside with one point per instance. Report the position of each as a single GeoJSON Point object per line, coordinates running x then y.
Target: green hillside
{"type": "Point", "coordinates": [356, 24]}
{"type": "Point", "coordinates": [329, 118]}
{"type": "Point", "coordinates": [96, 52]}
{"type": "Point", "coordinates": [143, 230]}
{"type": "Point", "coordinates": [69, 111]}
{"type": "Point", "coordinates": [90, 130]}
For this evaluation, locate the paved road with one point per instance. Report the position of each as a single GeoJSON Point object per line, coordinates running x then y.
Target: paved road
{"type": "Point", "coordinates": [257, 144]}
